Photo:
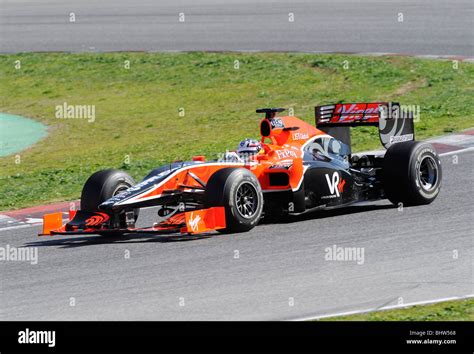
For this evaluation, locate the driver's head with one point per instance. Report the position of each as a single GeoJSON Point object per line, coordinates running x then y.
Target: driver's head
{"type": "Point", "coordinates": [249, 147]}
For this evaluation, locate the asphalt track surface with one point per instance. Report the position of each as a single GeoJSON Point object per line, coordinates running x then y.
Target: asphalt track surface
{"type": "Point", "coordinates": [418, 254]}
{"type": "Point", "coordinates": [429, 27]}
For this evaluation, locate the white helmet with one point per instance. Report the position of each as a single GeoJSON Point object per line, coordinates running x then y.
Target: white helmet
{"type": "Point", "coordinates": [249, 147]}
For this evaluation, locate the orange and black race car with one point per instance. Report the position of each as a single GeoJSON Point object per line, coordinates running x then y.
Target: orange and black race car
{"type": "Point", "coordinates": [299, 168]}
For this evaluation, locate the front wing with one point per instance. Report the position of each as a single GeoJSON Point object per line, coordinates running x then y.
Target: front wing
{"type": "Point", "coordinates": [88, 223]}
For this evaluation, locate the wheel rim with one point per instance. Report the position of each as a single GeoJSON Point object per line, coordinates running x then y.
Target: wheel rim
{"type": "Point", "coordinates": [428, 173]}
{"type": "Point", "coordinates": [120, 188]}
{"type": "Point", "coordinates": [246, 200]}
{"type": "Point", "coordinates": [121, 215]}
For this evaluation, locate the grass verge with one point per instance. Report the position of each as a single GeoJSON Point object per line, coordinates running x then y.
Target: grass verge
{"type": "Point", "coordinates": [456, 310]}
{"type": "Point", "coordinates": [138, 125]}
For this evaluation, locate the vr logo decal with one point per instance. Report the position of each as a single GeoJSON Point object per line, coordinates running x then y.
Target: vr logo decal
{"type": "Point", "coordinates": [336, 184]}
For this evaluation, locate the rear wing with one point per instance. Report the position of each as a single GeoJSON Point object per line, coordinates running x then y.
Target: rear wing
{"type": "Point", "coordinates": [394, 124]}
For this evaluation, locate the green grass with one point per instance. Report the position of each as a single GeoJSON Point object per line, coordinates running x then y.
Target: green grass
{"type": "Point", "coordinates": [137, 108]}
{"type": "Point", "coordinates": [457, 310]}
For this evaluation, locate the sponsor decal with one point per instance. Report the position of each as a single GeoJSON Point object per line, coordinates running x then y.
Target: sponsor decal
{"type": "Point", "coordinates": [353, 109]}
{"type": "Point", "coordinates": [300, 136]}
{"type": "Point", "coordinates": [140, 186]}
{"type": "Point", "coordinates": [281, 165]}
{"type": "Point", "coordinates": [96, 220]}
{"type": "Point", "coordinates": [194, 222]}
{"type": "Point", "coordinates": [335, 184]}
{"type": "Point", "coordinates": [286, 153]}
{"type": "Point", "coordinates": [277, 123]}
{"type": "Point", "coordinates": [354, 112]}
{"type": "Point", "coordinates": [401, 138]}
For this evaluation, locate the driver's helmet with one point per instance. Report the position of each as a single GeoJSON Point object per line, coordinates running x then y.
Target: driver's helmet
{"type": "Point", "coordinates": [249, 147]}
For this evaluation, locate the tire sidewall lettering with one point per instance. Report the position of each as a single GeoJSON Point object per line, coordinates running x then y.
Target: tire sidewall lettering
{"type": "Point", "coordinates": [420, 155]}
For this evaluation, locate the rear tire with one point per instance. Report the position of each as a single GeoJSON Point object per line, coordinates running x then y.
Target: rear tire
{"type": "Point", "coordinates": [412, 173]}
{"type": "Point", "coordinates": [239, 192]}
{"type": "Point", "coordinates": [103, 185]}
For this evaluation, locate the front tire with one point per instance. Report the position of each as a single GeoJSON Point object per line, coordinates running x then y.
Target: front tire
{"type": "Point", "coordinates": [239, 192]}
{"type": "Point", "coordinates": [412, 173]}
{"type": "Point", "coordinates": [103, 185]}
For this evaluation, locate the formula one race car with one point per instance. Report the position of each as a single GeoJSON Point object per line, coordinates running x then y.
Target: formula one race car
{"type": "Point", "coordinates": [299, 168]}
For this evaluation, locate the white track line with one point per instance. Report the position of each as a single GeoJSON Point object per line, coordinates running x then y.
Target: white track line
{"type": "Point", "coordinates": [22, 226]}
{"type": "Point", "coordinates": [457, 151]}
{"type": "Point", "coordinates": [25, 225]}
{"type": "Point", "coordinates": [384, 308]}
